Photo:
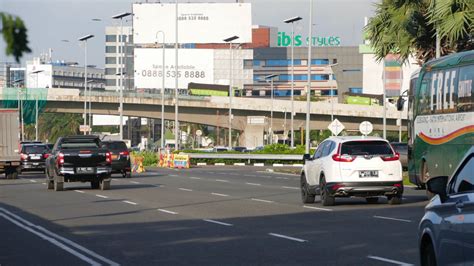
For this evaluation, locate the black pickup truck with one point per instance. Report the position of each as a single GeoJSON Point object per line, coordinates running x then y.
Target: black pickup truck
{"type": "Point", "coordinates": [79, 159]}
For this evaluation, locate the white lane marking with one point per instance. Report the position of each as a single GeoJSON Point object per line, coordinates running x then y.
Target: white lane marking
{"type": "Point", "coordinates": [54, 237]}
{"type": "Point", "coordinates": [185, 189]}
{"type": "Point", "coordinates": [288, 237]}
{"type": "Point", "coordinates": [218, 194]}
{"type": "Point", "coordinates": [222, 180]}
{"type": "Point", "coordinates": [317, 208]}
{"type": "Point", "coordinates": [43, 183]}
{"type": "Point", "coordinates": [114, 179]}
{"type": "Point", "coordinates": [158, 185]}
{"type": "Point", "coordinates": [250, 175]}
{"type": "Point", "coordinates": [80, 191]}
{"type": "Point", "coordinates": [291, 187]}
{"type": "Point", "coordinates": [134, 182]}
{"type": "Point", "coordinates": [389, 260]}
{"type": "Point", "coordinates": [130, 202]}
{"type": "Point", "coordinates": [31, 180]}
{"type": "Point", "coordinates": [393, 219]}
{"type": "Point", "coordinates": [193, 177]}
{"type": "Point", "coordinates": [262, 200]}
{"type": "Point", "coordinates": [253, 184]}
{"type": "Point", "coordinates": [101, 196]}
{"type": "Point", "coordinates": [173, 175]}
{"type": "Point", "coordinates": [217, 222]}
{"type": "Point", "coordinates": [286, 178]}
{"type": "Point", "coordinates": [211, 172]}
{"type": "Point", "coordinates": [166, 211]}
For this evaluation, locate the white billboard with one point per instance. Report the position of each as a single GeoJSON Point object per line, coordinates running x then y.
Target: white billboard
{"type": "Point", "coordinates": [39, 76]}
{"type": "Point", "coordinates": [198, 22]}
{"type": "Point", "coordinates": [194, 65]}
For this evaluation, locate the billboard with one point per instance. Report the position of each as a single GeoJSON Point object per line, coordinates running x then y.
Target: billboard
{"type": "Point", "coordinates": [198, 22]}
{"type": "Point", "coordinates": [195, 65]}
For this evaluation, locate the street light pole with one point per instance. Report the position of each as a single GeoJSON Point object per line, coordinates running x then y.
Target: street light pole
{"type": "Point", "coordinates": [176, 125]}
{"type": "Point", "coordinates": [292, 21]}
{"type": "Point", "coordinates": [231, 92]}
{"type": "Point", "coordinates": [308, 93]}
{"type": "Point", "coordinates": [384, 105]}
{"type": "Point", "coordinates": [122, 55]}
{"type": "Point", "coordinates": [331, 79]}
{"type": "Point", "coordinates": [162, 90]}
{"type": "Point", "coordinates": [271, 77]}
{"type": "Point", "coordinates": [84, 39]}
{"type": "Point", "coordinates": [36, 104]}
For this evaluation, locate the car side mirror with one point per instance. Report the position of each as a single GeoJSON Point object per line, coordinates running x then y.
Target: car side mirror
{"type": "Point", "coordinates": [437, 185]}
{"type": "Point", "coordinates": [400, 103]}
{"type": "Point", "coordinates": [306, 157]}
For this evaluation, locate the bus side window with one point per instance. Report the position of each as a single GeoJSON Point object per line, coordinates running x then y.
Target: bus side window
{"type": "Point", "coordinates": [465, 89]}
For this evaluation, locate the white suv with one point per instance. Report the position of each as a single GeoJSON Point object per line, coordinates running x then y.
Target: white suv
{"type": "Point", "coordinates": [352, 166]}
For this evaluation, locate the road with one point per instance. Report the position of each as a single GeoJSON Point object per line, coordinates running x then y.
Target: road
{"type": "Point", "coordinates": [200, 216]}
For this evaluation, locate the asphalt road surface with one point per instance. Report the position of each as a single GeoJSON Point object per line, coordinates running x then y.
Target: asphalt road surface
{"type": "Point", "coordinates": [200, 216]}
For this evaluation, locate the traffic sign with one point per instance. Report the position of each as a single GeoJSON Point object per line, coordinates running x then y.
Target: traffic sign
{"type": "Point", "coordinates": [366, 128]}
{"type": "Point", "coordinates": [336, 127]}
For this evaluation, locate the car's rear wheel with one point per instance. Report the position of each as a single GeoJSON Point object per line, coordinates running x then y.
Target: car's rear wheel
{"type": "Point", "coordinates": [95, 184]}
{"type": "Point", "coordinates": [394, 199]}
{"type": "Point", "coordinates": [427, 256]}
{"type": "Point", "coordinates": [372, 200]}
{"type": "Point", "coordinates": [306, 195]}
{"type": "Point", "coordinates": [326, 198]}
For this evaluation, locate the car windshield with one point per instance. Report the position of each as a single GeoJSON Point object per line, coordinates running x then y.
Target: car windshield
{"type": "Point", "coordinates": [366, 148]}
{"type": "Point", "coordinates": [115, 145]}
{"type": "Point", "coordinates": [35, 149]}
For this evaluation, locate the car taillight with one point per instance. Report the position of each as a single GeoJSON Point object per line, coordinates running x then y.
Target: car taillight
{"type": "Point", "coordinates": [343, 158]}
{"type": "Point", "coordinates": [60, 159]}
{"type": "Point", "coordinates": [46, 155]}
{"type": "Point", "coordinates": [23, 156]}
{"type": "Point", "coordinates": [124, 153]}
{"type": "Point", "coordinates": [337, 186]}
{"type": "Point", "coordinates": [108, 157]}
{"type": "Point", "coordinates": [394, 157]}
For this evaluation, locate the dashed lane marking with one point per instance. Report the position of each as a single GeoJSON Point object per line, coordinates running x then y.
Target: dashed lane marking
{"type": "Point", "coordinates": [218, 194]}
{"type": "Point", "coordinates": [389, 260]}
{"type": "Point", "coordinates": [130, 202]}
{"type": "Point", "coordinates": [262, 200]}
{"type": "Point", "coordinates": [288, 237]}
{"type": "Point", "coordinates": [393, 219]}
{"type": "Point", "coordinates": [101, 196]}
{"type": "Point", "coordinates": [217, 222]}
{"type": "Point", "coordinates": [317, 208]}
{"type": "Point", "coordinates": [166, 211]}
{"type": "Point", "coordinates": [185, 189]}
{"type": "Point", "coordinates": [253, 184]}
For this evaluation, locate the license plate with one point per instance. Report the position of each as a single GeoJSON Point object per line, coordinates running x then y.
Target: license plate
{"type": "Point", "coordinates": [85, 170]}
{"type": "Point", "coordinates": [35, 157]}
{"type": "Point", "coordinates": [369, 173]}
{"type": "Point", "coordinates": [35, 164]}
{"type": "Point", "coordinates": [114, 157]}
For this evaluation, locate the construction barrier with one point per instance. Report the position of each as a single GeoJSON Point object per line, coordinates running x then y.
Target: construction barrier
{"type": "Point", "coordinates": [174, 161]}
{"type": "Point", "coordinates": [137, 164]}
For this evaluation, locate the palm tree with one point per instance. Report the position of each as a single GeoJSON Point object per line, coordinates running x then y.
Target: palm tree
{"type": "Point", "coordinates": [15, 35]}
{"type": "Point", "coordinates": [408, 27]}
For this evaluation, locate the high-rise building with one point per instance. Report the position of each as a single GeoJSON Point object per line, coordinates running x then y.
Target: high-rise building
{"type": "Point", "coordinates": [119, 57]}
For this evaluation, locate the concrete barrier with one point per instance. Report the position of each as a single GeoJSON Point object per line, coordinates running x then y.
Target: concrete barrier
{"type": "Point", "coordinates": [201, 164]}
{"type": "Point", "coordinates": [239, 164]}
{"type": "Point", "coordinates": [258, 164]}
{"type": "Point", "coordinates": [219, 164]}
{"type": "Point", "coordinates": [278, 165]}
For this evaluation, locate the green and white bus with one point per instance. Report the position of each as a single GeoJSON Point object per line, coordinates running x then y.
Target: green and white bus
{"type": "Point", "coordinates": [441, 116]}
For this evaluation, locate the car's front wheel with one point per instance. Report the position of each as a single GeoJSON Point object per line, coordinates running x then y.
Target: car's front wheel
{"type": "Point", "coordinates": [427, 256]}
{"type": "Point", "coordinates": [326, 198]}
{"type": "Point", "coordinates": [306, 195]}
{"type": "Point", "coordinates": [394, 199]}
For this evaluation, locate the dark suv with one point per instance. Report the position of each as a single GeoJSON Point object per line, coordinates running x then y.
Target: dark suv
{"type": "Point", "coordinates": [33, 157]}
{"type": "Point", "coordinates": [120, 157]}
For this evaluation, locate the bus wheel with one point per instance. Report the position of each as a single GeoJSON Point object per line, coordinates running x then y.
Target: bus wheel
{"type": "Point", "coordinates": [425, 175]}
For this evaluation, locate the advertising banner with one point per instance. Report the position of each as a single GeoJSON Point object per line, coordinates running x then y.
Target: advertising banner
{"type": "Point", "coordinates": [195, 65]}
{"type": "Point", "coordinates": [173, 161]}
{"type": "Point", "coordinates": [198, 22]}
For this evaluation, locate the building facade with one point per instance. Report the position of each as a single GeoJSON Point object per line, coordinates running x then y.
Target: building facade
{"type": "Point", "coordinates": [119, 57]}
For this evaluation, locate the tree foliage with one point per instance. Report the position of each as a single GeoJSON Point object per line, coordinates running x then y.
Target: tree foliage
{"type": "Point", "coordinates": [408, 27]}
{"type": "Point", "coordinates": [15, 35]}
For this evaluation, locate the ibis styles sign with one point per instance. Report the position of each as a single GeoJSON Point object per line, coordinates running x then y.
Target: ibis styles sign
{"type": "Point", "coordinates": [284, 40]}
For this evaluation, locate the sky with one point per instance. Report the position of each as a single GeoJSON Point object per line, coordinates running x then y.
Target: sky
{"type": "Point", "coordinates": [57, 24]}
